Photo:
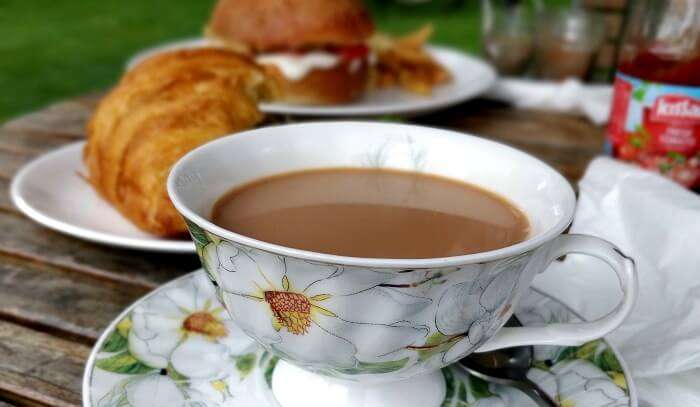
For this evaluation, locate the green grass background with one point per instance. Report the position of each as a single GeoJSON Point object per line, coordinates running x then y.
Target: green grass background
{"type": "Point", "coordinates": [53, 49]}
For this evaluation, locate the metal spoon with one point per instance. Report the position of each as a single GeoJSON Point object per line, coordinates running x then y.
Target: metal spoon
{"type": "Point", "coordinates": [508, 367]}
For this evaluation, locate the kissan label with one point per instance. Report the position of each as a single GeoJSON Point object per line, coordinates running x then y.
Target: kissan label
{"type": "Point", "coordinates": [676, 109]}
{"type": "Point", "coordinates": [657, 126]}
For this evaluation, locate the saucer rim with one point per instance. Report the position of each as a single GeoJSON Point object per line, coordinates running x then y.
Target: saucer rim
{"type": "Point", "coordinates": [90, 363]}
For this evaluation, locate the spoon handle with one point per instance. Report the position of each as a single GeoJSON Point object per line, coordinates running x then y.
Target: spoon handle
{"type": "Point", "coordinates": [536, 393]}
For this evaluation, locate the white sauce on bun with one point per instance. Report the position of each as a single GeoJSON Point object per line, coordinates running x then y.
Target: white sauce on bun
{"type": "Point", "coordinates": [295, 67]}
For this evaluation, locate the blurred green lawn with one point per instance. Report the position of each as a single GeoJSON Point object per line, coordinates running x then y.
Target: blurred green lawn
{"type": "Point", "coordinates": [53, 49]}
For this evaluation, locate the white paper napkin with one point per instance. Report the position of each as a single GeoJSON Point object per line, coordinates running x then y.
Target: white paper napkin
{"type": "Point", "coordinates": [656, 222]}
{"type": "Point", "coordinates": [572, 96]}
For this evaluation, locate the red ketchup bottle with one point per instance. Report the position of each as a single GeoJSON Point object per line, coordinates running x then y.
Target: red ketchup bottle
{"type": "Point", "coordinates": [655, 117]}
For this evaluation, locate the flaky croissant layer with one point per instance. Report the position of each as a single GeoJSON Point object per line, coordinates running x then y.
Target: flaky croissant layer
{"type": "Point", "coordinates": [160, 110]}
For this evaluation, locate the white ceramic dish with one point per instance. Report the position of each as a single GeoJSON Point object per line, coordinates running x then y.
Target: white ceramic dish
{"type": "Point", "coordinates": [51, 191]}
{"type": "Point", "coordinates": [471, 78]}
{"type": "Point", "coordinates": [221, 367]}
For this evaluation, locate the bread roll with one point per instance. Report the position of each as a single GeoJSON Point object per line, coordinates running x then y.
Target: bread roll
{"type": "Point", "coordinates": [291, 29]}
{"type": "Point", "coordinates": [273, 25]}
{"type": "Point", "coordinates": [163, 108]}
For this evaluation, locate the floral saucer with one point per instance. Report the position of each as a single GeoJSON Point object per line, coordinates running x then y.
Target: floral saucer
{"type": "Point", "coordinates": [177, 347]}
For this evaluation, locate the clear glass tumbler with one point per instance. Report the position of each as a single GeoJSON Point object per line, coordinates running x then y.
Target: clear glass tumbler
{"type": "Point", "coordinates": [508, 33]}
{"type": "Point", "coordinates": [568, 41]}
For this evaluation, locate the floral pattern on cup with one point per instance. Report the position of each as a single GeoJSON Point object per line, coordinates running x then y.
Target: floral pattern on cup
{"type": "Point", "coordinates": [590, 375]}
{"type": "Point", "coordinates": [315, 314]}
{"type": "Point", "coordinates": [583, 376]}
{"type": "Point", "coordinates": [466, 311]}
{"type": "Point", "coordinates": [344, 321]}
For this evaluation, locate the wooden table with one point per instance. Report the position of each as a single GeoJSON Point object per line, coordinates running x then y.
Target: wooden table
{"type": "Point", "coordinates": [58, 293]}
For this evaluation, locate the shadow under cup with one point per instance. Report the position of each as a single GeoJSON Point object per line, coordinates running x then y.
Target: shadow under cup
{"type": "Point", "coordinates": [358, 318]}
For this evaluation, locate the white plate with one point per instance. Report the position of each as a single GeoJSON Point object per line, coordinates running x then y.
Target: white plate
{"type": "Point", "coordinates": [50, 190]}
{"type": "Point", "coordinates": [470, 78]}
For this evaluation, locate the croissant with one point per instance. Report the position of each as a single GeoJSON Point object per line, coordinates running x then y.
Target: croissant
{"type": "Point", "coordinates": [163, 108]}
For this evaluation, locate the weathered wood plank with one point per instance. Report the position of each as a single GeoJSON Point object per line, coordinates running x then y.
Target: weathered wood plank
{"type": "Point", "coordinates": [90, 100]}
{"type": "Point", "coordinates": [39, 369]}
{"type": "Point", "coordinates": [71, 305]}
{"type": "Point", "coordinates": [66, 119]}
{"type": "Point", "coordinates": [31, 142]}
{"type": "Point", "coordinates": [11, 161]}
{"type": "Point", "coordinates": [566, 142]}
{"type": "Point", "coordinates": [518, 125]}
{"type": "Point", "coordinates": [24, 238]}
{"type": "Point", "coordinates": [5, 201]}
{"type": "Point", "coordinates": [570, 162]}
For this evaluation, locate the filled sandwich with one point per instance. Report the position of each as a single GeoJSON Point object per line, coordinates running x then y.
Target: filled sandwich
{"type": "Point", "coordinates": [315, 49]}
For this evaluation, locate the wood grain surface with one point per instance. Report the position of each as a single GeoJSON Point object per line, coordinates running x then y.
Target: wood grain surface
{"type": "Point", "coordinates": [58, 293]}
{"type": "Point", "coordinates": [37, 368]}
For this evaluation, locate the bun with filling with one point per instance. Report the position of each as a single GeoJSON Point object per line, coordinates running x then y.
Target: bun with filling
{"type": "Point", "coordinates": [315, 49]}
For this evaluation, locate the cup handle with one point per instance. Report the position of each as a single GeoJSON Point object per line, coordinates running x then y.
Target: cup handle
{"type": "Point", "coordinates": [574, 334]}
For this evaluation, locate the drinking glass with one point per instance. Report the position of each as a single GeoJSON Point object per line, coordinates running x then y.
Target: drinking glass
{"type": "Point", "coordinates": [568, 41]}
{"type": "Point", "coordinates": [508, 33]}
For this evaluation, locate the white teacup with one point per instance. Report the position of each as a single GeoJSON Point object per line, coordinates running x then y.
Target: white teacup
{"type": "Point", "coordinates": [372, 320]}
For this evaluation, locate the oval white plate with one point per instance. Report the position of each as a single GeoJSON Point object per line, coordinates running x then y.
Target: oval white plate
{"type": "Point", "coordinates": [470, 78]}
{"type": "Point", "coordinates": [50, 191]}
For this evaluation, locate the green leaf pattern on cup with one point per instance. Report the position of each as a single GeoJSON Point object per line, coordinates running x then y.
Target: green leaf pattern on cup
{"type": "Point", "coordinates": [267, 367]}
{"type": "Point", "coordinates": [199, 236]}
{"type": "Point", "coordinates": [245, 364]}
{"type": "Point", "coordinates": [376, 367]}
{"type": "Point", "coordinates": [464, 391]}
{"type": "Point", "coordinates": [201, 241]}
